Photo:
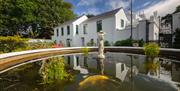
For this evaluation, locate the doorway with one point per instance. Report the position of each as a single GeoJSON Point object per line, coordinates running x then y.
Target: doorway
{"type": "Point", "coordinates": [82, 41]}
{"type": "Point", "coordinates": [68, 43]}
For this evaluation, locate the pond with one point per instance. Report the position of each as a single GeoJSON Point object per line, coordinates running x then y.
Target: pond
{"type": "Point", "coordinates": [117, 72]}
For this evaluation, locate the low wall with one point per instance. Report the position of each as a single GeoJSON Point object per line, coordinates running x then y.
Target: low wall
{"type": "Point", "coordinates": [11, 59]}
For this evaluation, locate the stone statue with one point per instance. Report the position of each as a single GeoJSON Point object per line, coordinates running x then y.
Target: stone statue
{"type": "Point", "coordinates": [101, 45]}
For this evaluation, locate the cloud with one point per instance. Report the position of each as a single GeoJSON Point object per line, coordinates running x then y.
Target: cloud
{"type": "Point", "coordinates": [113, 4]}
{"type": "Point", "coordinates": [163, 7]}
{"type": "Point", "coordinates": [146, 4]}
{"type": "Point", "coordinates": [94, 11]}
{"type": "Point", "coordinates": [88, 2]}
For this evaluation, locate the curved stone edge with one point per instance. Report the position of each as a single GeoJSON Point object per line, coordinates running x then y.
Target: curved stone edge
{"type": "Point", "coordinates": [137, 50]}
{"type": "Point", "coordinates": [11, 59]}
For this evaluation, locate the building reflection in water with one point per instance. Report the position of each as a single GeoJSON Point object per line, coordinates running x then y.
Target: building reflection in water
{"type": "Point", "coordinates": [126, 67]}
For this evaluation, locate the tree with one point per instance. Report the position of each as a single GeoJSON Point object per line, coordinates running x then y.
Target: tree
{"type": "Point", "coordinates": [19, 17]}
{"type": "Point", "coordinates": [177, 39]}
{"type": "Point", "coordinates": [177, 9]}
{"type": "Point", "coordinates": [90, 15]}
{"type": "Point", "coordinates": [168, 17]}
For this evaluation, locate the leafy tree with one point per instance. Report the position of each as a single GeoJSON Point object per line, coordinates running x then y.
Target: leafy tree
{"type": "Point", "coordinates": [177, 9]}
{"type": "Point", "coordinates": [168, 17]}
{"type": "Point", "coordinates": [177, 39]}
{"type": "Point", "coordinates": [90, 15]}
{"type": "Point", "coordinates": [19, 17]}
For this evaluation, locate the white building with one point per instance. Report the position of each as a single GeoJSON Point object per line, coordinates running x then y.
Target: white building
{"type": "Point", "coordinates": [116, 24]}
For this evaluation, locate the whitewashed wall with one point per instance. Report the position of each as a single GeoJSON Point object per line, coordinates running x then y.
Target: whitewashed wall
{"type": "Point", "coordinates": [111, 25]}
{"type": "Point", "coordinates": [153, 31]}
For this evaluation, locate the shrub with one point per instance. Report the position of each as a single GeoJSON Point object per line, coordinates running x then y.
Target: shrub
{"type": "Point", "coordinates": [127, 42]}
{"type": "Point", "coordinates": [106, 43]}
{"type": "Point", "coordinates": [12, 43]}
{"type": "Point", "coordinates": [151, 49]}
{"type": "Point", "coordinates": [40, 45]}
{"type": "Point", "coordinates": [53, 70]}
{"type": "Point", "coordinates": [141, 43]}
{"type": "Point", "coordinates": [91, 43]}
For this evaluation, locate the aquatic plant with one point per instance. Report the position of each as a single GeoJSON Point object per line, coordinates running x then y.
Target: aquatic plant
{"type": "Point", "coordinates": [85, 51]}
{"type": "Point", "coordinates": [151, 50]}
{"type": "Point", "coordinates": [53, 70]}
{"type": "Point", "coordinates": [151, 65]}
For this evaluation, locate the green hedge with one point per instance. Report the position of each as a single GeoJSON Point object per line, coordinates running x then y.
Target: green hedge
{"type": "Point", "coordinates": [16, 43]}
{"type": "Point", "coordinates": [129, 42]}
{"type": "Point", "coordinates": [12, 43]}
{"type": "Point", "coordinates": [106, 43]}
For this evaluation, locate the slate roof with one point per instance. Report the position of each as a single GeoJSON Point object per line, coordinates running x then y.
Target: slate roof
{"type": "Point", "coordinates": [106, 14]}
{"type": "Point", "coordinates": [70, 21]}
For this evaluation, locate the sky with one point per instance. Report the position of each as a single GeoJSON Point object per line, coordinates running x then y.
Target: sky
{"type": "Point", "coordinates": [147, 7]}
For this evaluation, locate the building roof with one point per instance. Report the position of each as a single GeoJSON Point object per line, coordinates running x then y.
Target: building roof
{"type": "Point", "coordinates": [70, 21]}
{"type": "Point", "coordinates": [106, 14]}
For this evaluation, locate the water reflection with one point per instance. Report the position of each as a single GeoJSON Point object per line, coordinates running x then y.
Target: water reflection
{"type": "Point", "coordinates": [118, 71]}
{"type": "Point", "coordinates": [100, 65]}
{"type": "Point", "coordinates": [132, 70]}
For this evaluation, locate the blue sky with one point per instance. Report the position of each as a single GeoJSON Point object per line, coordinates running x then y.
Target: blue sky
{"type": "Point", "coordinates": [147, 6]}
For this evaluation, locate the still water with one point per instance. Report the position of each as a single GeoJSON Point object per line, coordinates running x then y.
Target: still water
{"type": "Point", "coordinates": [117, 72]}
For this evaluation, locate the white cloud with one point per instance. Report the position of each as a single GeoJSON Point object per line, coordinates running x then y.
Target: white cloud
{"type": "Point", "coordinates": [163, 7]}
{"type": "Point", "coordinates": [94, 11]}
{"type": "Point", "coordinates": [146, 4]}
{"type": "Point", "coordinates": [88, 2]}
{"type": "Point", "coordinates": [113, 4]}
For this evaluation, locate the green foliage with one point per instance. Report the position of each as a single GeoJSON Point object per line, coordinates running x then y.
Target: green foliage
{"type": "Point", "coordinates": [152, 66]}
{"type": "Point", "coordinates": [16, 43]}
{"type": "Point", "coordinates": [127, 42]}
{"type": "Point", "coordinates": [106, 43]}
{"type": "Point", "coordinates": [177, 9]}
{"type": "Point", "coordinates": [176, 43]}
{"type": "Point", "coordinates": [141, 43]}
{"type": "Point", "coordinates": [12, 43]}
{"type": "Point", "coordinates": [91, 43]}
{"type": "Point", "coordinates": [38, 16]}
{"type": "Point", "coordinates": [151, 49]}
{"type": "Point", "coordinates": [40, 45]}
{"type": "Point", "coordinates": [90, 15]}
{"type": "Point", "coordinates": [168, 17]}
{"type": "Point", "coordinates": [53, 70]}
{"type": "Point", "coordinates": [85, 51]}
